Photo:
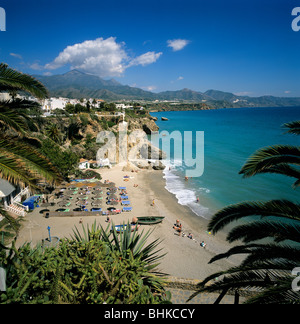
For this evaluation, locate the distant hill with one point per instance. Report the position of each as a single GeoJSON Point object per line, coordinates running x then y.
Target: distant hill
{"type": "Point", "coordinates": [76, 84]}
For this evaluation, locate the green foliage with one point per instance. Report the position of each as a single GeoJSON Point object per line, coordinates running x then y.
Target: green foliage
{"type": "Point", "coordinates": [89, 268]}
{"type": "Point", "coordinates": [20, 162]}
{"type": "Point", "coordinates": [13, 81]}
{"type": "Point", "coordinates": [65, 160]}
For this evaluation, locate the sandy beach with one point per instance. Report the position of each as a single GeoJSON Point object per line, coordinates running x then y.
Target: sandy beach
{"type": "Point", "coordinates": [185, 257]}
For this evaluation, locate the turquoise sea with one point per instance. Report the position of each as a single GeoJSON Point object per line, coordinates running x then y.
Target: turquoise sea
{"type": "Point", "coordinates": [230, 137]}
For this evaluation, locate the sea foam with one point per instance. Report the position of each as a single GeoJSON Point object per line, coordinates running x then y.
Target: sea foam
{"type": "Point", "coordinates": [185, 195]}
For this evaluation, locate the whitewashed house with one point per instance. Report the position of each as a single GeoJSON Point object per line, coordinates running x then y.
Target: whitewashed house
{"type": "Point", "coordinates": [54, 103]}
{"type": "Point", "coordinates": [10, 198]}
{"type": "Point", "coordinates": [84, 164]}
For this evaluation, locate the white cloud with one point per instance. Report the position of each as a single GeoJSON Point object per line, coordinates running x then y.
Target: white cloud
{"type": "Point", "coordinates": [178, 44]}
{"type": "Point", "coordinates": [36, 66]}
{"type": "Point", "coordinates": [150, 88]}
{"type": "Point", "coordinates": [180, 78]}
{"type": "Point", "coordinates": [16, 55]}
{"type": "Point", "coordinates": [145, 59]}
{"type": "Point", "coordinates": [103, 57]}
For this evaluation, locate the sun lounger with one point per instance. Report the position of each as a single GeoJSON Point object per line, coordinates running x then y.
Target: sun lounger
{"type": "Point", "coordinates": [122, 188]}
{"type": "Point", "coordinates": [96, 209]}
{"type": "Point", "coordinates": [125, 202]}
{"type": "Point", "coordinates": [124, 197]}
{"type": "Point", "coordinates": [127, 209]}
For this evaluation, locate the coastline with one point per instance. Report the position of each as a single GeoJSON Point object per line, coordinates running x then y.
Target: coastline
{"type": "Point", "coordinates": [184, 258]}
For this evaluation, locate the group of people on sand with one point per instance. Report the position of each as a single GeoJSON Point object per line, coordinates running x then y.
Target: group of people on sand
{"type": "Point", "coordinates": [178, 228]}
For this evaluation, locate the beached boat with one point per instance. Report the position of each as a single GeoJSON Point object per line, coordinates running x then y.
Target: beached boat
{"type": "Point", "coordinates": [150, 220]}
{"type": "Point", "coordinates": [121, 228]}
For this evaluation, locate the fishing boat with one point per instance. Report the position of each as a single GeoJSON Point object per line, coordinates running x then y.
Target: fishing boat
{"type": "Point", "coordinates": [121, 228]}
{"type": "Point", "coordinates": [150, 220]}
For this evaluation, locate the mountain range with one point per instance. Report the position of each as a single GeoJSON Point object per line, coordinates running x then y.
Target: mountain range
{"type": "Point", "coordinates": [76, 84]}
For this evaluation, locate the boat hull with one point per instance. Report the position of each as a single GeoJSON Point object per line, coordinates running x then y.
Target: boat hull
{"type": "Point", "coordinates": [150, 220]}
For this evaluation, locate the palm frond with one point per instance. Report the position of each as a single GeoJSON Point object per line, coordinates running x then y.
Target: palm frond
{"type": "Point", "coordinates": [286, 254]}
{"type": "Point", "coordinates": [20, 162]}
{"type": "Point", "coordinates": [269, 157]}
{"type": "Point", "coordinates": [278, 208]}
{"type": "Point", "coordinates": [254, 278]}
{"type": "Point", "coordinates": [293, 127]}
{"type": "Point", "coordinates": [258, 230]}
{"type": "Point", "coordinates": [12, 80]}
{"type": "Point", "coordinates": [10, 118]}
{"type": "Point", "coordinates": [287, 170]}
{"type": "Point", "coordinates": [281, 293]}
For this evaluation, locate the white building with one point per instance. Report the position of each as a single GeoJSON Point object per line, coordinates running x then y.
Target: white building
{"type": "Point", "coordinates": [54, 103]}
{"type": "Point", "coordinates": [84, 164]}
{"type": "Point", "coordinates": [123, 106]}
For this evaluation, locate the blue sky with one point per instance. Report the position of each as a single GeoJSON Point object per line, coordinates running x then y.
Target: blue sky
{"type": "Point", "coordinates": [244, 47]}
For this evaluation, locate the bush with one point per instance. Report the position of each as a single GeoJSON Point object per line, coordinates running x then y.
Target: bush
{"type": "Point", "coordinates": [93, 268]}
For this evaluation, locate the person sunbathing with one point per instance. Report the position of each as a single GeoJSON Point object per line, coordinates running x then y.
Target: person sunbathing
{"type": "Point", "coordinates": [203, 244]}
{"type": "Point", "coordinates": [190, 236]}
{"type": "Point", "coordinates": [178, 228]}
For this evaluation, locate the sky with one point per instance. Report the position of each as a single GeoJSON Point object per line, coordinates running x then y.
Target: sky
{"type": "Point", "coordinates": [243, 47]}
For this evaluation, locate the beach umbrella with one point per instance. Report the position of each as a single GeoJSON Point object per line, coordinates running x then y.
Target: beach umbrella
{"type": "Point", "coordinates": [96, 204]}
{"type": "Point", "coordinates": [81, 201]}
{"type": "Point", "coordinates": [97, 192]}
{"type": "Point", "coordinates": [44, 211]}
{"type": "Point", "coordinates": [112, 203]}
{"type": "Point", "coordinates": [62, 204]}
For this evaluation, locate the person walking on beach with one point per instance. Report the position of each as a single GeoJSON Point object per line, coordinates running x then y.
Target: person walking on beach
{"type": "Point", "coordinates": [153, 202]}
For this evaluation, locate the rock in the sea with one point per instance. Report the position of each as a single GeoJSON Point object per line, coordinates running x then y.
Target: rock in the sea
{"type": "Point", "coordinates": [158, 166]}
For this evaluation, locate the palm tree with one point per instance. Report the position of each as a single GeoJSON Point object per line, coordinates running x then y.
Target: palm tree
{"type": "Point", "coordinates": [20, 161]}
{"type": "Point", "coordinates": [267, 268]}
{"type": "Point", "coordinates": [53, 132]}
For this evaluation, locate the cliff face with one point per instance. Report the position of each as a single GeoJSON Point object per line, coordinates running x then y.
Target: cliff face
{"type": "Point", "coordinates": [146, 124]}
{"type": "Point", "coordinates": [79, 134]}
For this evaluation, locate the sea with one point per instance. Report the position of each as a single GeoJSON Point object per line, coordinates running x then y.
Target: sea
{"type": "Point", "coordinates": [230, 137]}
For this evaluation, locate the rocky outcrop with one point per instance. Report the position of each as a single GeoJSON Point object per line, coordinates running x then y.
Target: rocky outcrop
{"type": "Point", "coordinates": [84, 142]}
{"type": "Point", "coordinates": [146, 124]}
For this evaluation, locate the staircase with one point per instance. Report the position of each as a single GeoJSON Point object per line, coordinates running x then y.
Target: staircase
{"type": "Point", "coordinates": [15, 207]}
